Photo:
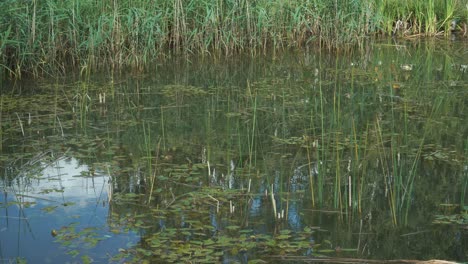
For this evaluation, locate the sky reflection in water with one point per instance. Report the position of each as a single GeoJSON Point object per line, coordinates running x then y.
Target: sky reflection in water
{"type": "Point", "coordinates": [26, 227]}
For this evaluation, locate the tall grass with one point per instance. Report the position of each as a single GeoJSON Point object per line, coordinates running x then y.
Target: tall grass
{"type": "Point", "coordinates": [52, 37]}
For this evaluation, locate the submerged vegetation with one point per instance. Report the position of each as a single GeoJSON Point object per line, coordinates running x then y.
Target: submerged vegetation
{"type": "Point", "coordinates": [295, 157]}
{"type": "Point", "coordinates": [53, 36]}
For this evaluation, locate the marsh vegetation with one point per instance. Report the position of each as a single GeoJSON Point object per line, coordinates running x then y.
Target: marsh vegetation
{"type": "Point", "coordinates": [288, 157]}
{"type": "Point", "coordinates": [54, 37]}
{"type": "Point", "coordinates": [233, 131]}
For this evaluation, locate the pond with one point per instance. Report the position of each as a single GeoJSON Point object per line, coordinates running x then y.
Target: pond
{"type": "Point", "coordinates": [303, 156]}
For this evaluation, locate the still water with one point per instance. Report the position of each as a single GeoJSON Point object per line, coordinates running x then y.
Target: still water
{"type": "Point", "coordinates": [290, 157]}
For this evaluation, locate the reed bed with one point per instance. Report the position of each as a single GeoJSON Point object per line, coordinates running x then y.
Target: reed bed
{"type": "Point", "coordinates": [52, 37]}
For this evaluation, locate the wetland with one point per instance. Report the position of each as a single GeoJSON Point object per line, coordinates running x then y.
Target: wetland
{"type": "Point", "coordinates": [295, 157]}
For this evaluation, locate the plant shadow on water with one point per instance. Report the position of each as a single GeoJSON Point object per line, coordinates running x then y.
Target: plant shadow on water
{"type": "Point", "coordinates": [296, 158]}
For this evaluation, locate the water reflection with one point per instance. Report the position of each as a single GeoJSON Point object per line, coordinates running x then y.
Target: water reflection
{"type": "Point", "coordinates": [60, 194]}
{"type": "Point", "coordinates": [355, 152]}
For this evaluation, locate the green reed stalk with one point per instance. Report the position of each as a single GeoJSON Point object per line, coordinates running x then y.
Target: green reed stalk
{"type": "Point", "coordinates": [82, 103]}
{"type": "Point", "coordinates": [56, 108]}
{"type": "Point", "coordinates": [450, 6]}
{"type": "Point", "coordinates": [228, 135]}
{"type": "Point", "coordinates": [312, 142]}
{"type": "Point", "coordinates": [153, 175]}
{"type": "Point", "coordinates": [163, 128]}
{"type": "Point", "coordinates": [239, 143]}
{"type": "Point", "coordinates": [406, 196]}
{"type": "Point", "coordinates": [336, 125]}
{"type": "Point", "coordinates": [337, 197]}
{"type": "Point", "coordinates": [465, 175]}
{"type": "Point", "coordinates": [363, 171]}
{"type": "Point", "coordinates": [383, 159]}
{"type": "Point", "coordinates": [252, 140]}
{"type": "Point", "coordinates": [393, 176]}
{"type": "Point", "coordinates": [311, 176]}
{"type": "Point", "coordinates": [431, 19]}
{"type": "Point", "coordinates": [147, 146]}
{"type": "Point", "coordinates": [321, 148]}
{"type": "Point", "coordinates": [410, 181]}
{"type": "Point", "coordinates": [356, 181]}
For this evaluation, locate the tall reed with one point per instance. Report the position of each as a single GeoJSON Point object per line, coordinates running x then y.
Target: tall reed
{"type": "Point", "coordinates": [51, 37]}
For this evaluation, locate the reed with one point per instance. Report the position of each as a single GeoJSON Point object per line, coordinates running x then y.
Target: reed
{"type": "Point", "coordinates": [82, 103]}
{"type": "Point", "coordinates": [163, 127]}
{"type": "Point", "coordinates": [51, 37]}
{"type": "Point", "coordinates": [252, 142]}
{"type": "Point", "coordinates": [152, 177]}
{"type": "Point", "coordinates": [322, 149]}
{"type": "Point", "coordinates": [450, 6]}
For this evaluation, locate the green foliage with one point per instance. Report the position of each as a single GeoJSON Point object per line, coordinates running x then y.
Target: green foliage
{"type": "Point", "coordinates": [371, 138]}
{"type": "Point", "coordinates": [50, 37]}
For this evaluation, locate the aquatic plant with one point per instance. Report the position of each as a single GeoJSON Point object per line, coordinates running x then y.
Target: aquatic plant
{"type": "Point", "coordinates": [54, 37]}
{"type": "Point", "coordinates": [200, 156]}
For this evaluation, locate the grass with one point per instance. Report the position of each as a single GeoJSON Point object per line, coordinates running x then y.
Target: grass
{"type": "Point", "coordinates": [52, 37]}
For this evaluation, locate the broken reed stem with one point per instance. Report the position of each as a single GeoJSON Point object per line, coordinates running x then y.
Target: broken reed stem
{"type": "Point", "coordinates": [232, 207]}
{"type": "Point", "coordinates": [21, 124]}
{"type": "Point", "coordinates": [60, 124]}
{"type": "Point", "coordinates": [217, 202]}
{"type": "Point", "coordinates": [273, 202]}
{"type": "Point", "coordinates": [109, 187]}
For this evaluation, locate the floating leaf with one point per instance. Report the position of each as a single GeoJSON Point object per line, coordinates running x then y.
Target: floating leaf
{"type": "Point", "coordinates": [49, 209]}
{"type": "Point", "coordinates": [86, 259]}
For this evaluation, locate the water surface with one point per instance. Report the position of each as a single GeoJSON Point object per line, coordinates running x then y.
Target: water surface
{"type": "Point", "coordinates": [291, 157]}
